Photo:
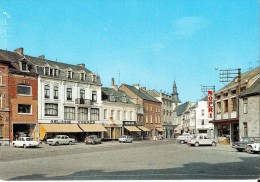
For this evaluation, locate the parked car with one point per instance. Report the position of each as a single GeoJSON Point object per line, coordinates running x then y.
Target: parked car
{"type": "Point", "coordinates": [253, 147]}
{"type": "Point", "coordinates": [125, 139]}
{"type": "Point", "coordinates": [243, 143]}
{"type": "Point", "coordinates": [25, 142]}
{"type": "Point", "coordinates": [92, 139]}
{"type": "Point", "coordinates": [61, 139]}
{"type": "Point", "coordinates": [184, 138]}
{"type": "Point", "coordinates": [202, 140]}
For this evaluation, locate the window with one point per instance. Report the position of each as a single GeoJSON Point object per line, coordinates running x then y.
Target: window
{"type": "Point", "coordinates": [23, 90]}
{"type": "Point", "coordinates": [202, 122]}
{"type": "Point", "coordinates": [1, 131]}
{"type": "Point", "coordinates": [69, 93]}
{"type": "Point", "coordinates": [69, 113]}
{"type": "Point", "coordinates": [51, 71]}
{"type": "Point", "coordinates": [82, 76]}
{"type": "Point", "coordinates": [47, 91]}
{"type": "Point", "coordinates": [131, 115]}
{"type": "Point", "coordinates": [245, 106]}
{"type": "Point", "coordinates": [70, 74]}
{"type": "Point", "coordinates": [94, 78]}
{"type": "Point", "coordinates": [124, 99]}
{"type": "Point", "coordinates": [119, 115]}
{"type": "Point", "coordinates": [56, 72]}
{"type": "Point", "coordinates": [234, 104]}
{"type": "Point", "coordinates": [105, 113]}
{"type": "Point", "coordinates": [82, 94]}
{"type": "Point", "coordinates": [225, 105]}
{"type": "Point", "coordinates": [112, 114]}
{"type": "Point", "coordinates": [56, 92]}
{"type": "Point", "coordinates": [124, 117]}
{"type": "Point", "coordinates": [46, 70]}
{"type": "Point", "coordinates": [218, 107]}
{"type": "Point", "coordinates": [24, 66]}
{"type": "Point", "coordinates": [94, 114]}
{"type": "Point", "coordinates": [24, 108]}
{"type": "Point", "coordinates": [112, 98]}
{"type": "Point", "coordinates": [51, 109]}
{"type": "Point", "coordinates": [83, 114]}
{"type": "Point", "coordinates": [146, 119]}
{"type": "Point", "coordinates": [202, 112]}
{"type": "Point", "coordinates": [245, 129]}
{"type": "Point", "coordinates": [94, 96]}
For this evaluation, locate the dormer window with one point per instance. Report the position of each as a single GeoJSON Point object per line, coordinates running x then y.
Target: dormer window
{"type": "Point", "coordinates": [94, 78]}
{"type": "Point", "coordinates": [46, 71]}
{"type": "Point", "coordinates": [112, 98]}
{"type": "Point", "coordinates": [82, 76]}
{"type": "Point", "coordinates": [70, 74]}
{"type": "Point", "coordinates": [124, 99]}
{"type": "Point", "coordinates": [56, 72]}
{"type": "Point", "coordinates": [24, 66]}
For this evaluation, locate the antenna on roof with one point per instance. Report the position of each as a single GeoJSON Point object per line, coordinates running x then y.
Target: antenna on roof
{"type": "Point", "coordinates": [5, 25]}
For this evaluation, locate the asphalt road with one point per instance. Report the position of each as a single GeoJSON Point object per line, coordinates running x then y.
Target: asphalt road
{"type": "Point", "coordinates": [149, 160]}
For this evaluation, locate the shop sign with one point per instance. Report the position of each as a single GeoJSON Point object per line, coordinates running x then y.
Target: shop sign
{"type": "Point", "coordinates": [129, 123]}
{"type": "Point", "coordinates": [86, 122]}
{"type": "Point", "coordinates": [210, 103]}
{"type": "Point", "coordinates": [60, 122]}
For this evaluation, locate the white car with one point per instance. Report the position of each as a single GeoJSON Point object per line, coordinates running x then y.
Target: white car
{"type": "Point", "coordinates": [60, 140]}
{"type": "Point", "coordinates": [184, 138]}
{"type": "Point", "coordinates": [202, 140]}
{"type": "Point", "coordinates": [25, 142]}
{"type": "Point", "coordinates": [125, 139]}
{"type": "Point", "coordinates": [253, 147]}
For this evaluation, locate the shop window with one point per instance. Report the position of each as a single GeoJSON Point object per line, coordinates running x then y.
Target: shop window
{"type": "Point", "coordinates": [83, 114]}
{"type": "Point", "coordinates": [23, 108]}
{"type": "Point", "coordinates": [23, 90]}
{"type": "Point", "coordinates": [94, 96]}
{"type": "Point", "coordinates": [245, 106]}
{"type": "Point", "coordinates": [51, 109]}
{"type": "Point", "coordinates": [47, 91]}
{"type": "Point", "coordinates": [69, 113]}
{"type": "Point", "coordinates": [69, 93]}
{"type": "Point", "coordinates": [225, 105]}
{"type": "Point", "coordinates": [94, 114]}
{"type": "Point", "coordinates": [56, 92]}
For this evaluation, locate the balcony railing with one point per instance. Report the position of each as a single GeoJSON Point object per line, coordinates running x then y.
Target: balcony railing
{"type": "Point", "coordinates": [83, 101]}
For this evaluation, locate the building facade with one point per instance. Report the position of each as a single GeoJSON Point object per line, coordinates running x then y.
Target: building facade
{"type": "Point", "coordinates": [226, 121]}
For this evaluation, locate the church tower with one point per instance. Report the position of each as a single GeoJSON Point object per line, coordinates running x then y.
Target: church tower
{"type": "Point", "coordinates": [175, 94]}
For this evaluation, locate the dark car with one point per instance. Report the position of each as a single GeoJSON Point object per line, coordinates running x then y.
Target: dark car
{"type": "Point", "coordinates": [242, 144]}
{"type": "Point", "coordinates": [92, 139]}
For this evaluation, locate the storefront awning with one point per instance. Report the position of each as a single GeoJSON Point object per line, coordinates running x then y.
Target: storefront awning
{"type": "Point", "coordinates": [92, 127]}
{"type": "Point", "coordinates": [132, 128]}
{"type": "Point", "coordinates": [143, 128]}
{"type": "Point", "coordinates": [58, 128]}
{"type": "Point", "coordinates": [231, 120]}
{"type": "Point", "coordinates": [160, 129]}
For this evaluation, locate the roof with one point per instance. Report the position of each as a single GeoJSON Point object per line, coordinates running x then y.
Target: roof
{"type": "Point", "coordinates": [180, 109]}
{"type": "Point", "coordinates": [245, 77]}
{"type": "Point", "coordinates": [254, 89]}
{"type": "Point", "coordinates": [118, 95]}
{"type": "Point", "coordinates": [153, 93]}
{"type": "Point", "coordinates": [140, 93]}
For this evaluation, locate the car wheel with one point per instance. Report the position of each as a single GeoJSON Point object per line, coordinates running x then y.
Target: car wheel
{"type": "Point", "coordinates": [93, 143]}
{"type": "Point", "coordinates": [214, 144]}
{"type": "Point", "coordinates": [196, 144]}
{"type": "Point", "coordinates": [70, 143]}
{"type": "Point", "coordinates": [182, 142]}
{"type": "Point", "coordinates": [56, 143]}
{"type": "Point", "coordinates": [240, 150]}
{"type": "Point", "coordinates": [249, 149]}
{"type": "Point", "coordinates": [24, 146]}
{"type": "Point", "coordinates": [14, 145]}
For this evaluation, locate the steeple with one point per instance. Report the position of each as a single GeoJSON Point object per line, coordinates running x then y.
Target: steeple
{"type": "Point", "coordinates": [175, 94]}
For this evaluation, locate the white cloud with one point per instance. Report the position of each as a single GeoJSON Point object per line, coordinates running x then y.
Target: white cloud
{"type": "Point", "coordinates": [188, 26]}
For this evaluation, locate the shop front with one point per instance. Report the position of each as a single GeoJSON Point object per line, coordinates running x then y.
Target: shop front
{"type": "Point", "coordinates": [93, 129]}
{"type": "Point", "coordinates": [51, 130]}
{"type": "Point", "coordinates": [159, 132]}
{"type": "Point", "coordinates": [114, 131]}
{"type": "Point", "coordinates": [145, 132]}
{"type": "Point", "coordinates": [226, 131]}
{"type": "Point", "coordinates": [168, 131]}
{"type": "Point", "coordinates": [129, 128]}
{"type": "Point", "coordinates": [24, 130]}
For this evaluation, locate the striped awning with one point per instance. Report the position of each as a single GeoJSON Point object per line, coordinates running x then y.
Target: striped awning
{"type": "Point", "coordinates": [143, 128]}
{"type": "Point", "coordinates": [92, 127]}
{"type": "Point", "coordinates": [132, 128]}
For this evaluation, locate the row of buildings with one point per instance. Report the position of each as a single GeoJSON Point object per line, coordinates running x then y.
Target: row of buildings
{"type": "Point", "coordinates": [42, 98]}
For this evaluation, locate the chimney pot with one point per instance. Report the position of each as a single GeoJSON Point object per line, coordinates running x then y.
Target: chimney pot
{"type": "Point", "coordinates": [19, 51]}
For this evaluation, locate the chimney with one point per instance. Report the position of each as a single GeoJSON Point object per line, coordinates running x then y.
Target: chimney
{"type": "Point", "coordinates": [19, 51]}
{"type": "Point", "coordinates": [144, 88]}
{"type": "Point", "coordinates": [82, 65]}
{"type": "Point", "coordinates": [113, 84]}
{"type": "Point", "coordinates": [42, 56]}
{"type": "Point", "coordinates": [136, 86]}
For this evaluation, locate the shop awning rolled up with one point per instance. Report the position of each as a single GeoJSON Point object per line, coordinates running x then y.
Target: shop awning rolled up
{"type": "Point", "coordinates": [58, 128]}
{"type": "Point", "coordinates": [132, 128]}
{"type": "Point", "coordinates": [143, 128]}
{"type": "Point", "coordinates": [160, 129]}
{"type": "Point", "coordinates": [92, 127]}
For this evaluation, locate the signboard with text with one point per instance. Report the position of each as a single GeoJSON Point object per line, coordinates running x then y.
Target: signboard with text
{"type": "Point", "coordinates": [210, 104]}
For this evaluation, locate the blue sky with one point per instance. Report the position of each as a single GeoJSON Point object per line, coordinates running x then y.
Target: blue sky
{"type": "Point", "coordinates": [147, 42]}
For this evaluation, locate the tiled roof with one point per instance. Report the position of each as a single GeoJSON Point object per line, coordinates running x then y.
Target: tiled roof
{"type": "Point", "coordinates": [140, 93]}
{"type": "Point", "coordinates": [180, 109]}
{"type": "Point", "coordinates": [118, 95]}
{"type": "Point", "coordinates": [254, 89]}
{"type": "Point", "coordinates": [153, 93]}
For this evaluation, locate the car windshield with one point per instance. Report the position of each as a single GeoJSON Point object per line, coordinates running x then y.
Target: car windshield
{"type": "Point", "coordinates": [244, 140]}
{"type": "Point", "coordinates": [58, 137]}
